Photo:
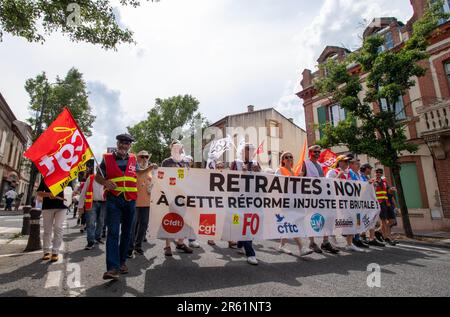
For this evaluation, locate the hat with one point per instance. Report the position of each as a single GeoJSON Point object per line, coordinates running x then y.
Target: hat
{"type": "Point", "coordinates": [143, 153]}
{"type": "Point", "coordinates": [124, 137]}
{"type": "Point", "coordinates": [338, 159]}
{"type": "Point", "coordinates": [314, 147]}
{"type": "Point", "coordinates": [379, 170]}
{"type": "Point", "coordinates": [366, 166]}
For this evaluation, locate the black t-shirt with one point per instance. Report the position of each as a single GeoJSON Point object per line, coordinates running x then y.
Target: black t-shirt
{"type": "Point", "coordinates": [48, 203]}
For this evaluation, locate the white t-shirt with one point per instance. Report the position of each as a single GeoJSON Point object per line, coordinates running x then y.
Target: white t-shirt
{"type": "Point", "coordinates": [11, 194]}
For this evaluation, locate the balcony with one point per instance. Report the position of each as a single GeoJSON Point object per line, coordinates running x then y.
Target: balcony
{"type": "Point", "coordinates": [435, 126]}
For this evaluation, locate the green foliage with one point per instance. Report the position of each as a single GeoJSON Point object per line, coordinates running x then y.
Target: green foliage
{"type": "Point", "coordinates": [67, 92]}
{"type": "Point", "coordinates": [155, 133]}
{"type": "Point", "coordinates": [33, 19]}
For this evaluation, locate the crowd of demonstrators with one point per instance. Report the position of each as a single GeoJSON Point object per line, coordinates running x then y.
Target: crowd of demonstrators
{"type": "Point", "coordinates": [287, 169]}
{"type": "Point", "coordinates": [117, 199]}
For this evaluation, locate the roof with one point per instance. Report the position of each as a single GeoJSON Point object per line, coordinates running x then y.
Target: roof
{"type": "Point", "coordinates": [256, 111]}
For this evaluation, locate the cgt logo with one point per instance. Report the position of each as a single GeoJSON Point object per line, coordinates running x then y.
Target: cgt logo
{"type": "Point", "coordinates": [251, 221]}
{"type": "Point", "coordinates": [317, 222]}
{"type": "Point", "coordinates": [172, 223]}
{"type": "Point", "coordinates": [207, 225]}
{"type": "Point", "coordinates": [286, 227]}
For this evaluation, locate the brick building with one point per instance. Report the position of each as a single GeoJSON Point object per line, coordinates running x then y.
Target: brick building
{"type": "Point", "coordinates": [425, 108]}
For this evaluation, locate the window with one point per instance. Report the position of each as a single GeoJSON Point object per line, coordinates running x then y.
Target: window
{"type": "Point", "coordinates": [399, 108]}
{"type": "Point", "coordinates": [446, 9]}
{"type": "Point", "coordinates": [274, 129]}
{"type": "Point", "coordinates": [337, 114]}
{"type": "Point", "coordinates": [322, 118]}
{"type": "Point", "coordinates": [389, 41]}
{"type": "Point", "coordinates": [447, 71]}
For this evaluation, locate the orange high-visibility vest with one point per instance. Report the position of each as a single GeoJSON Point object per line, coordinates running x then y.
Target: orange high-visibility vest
{"type": "Point", "coordinates": [126, 182]}
{"type": "Point", "coordinates": [285, 172]}
{"type": "Point", "coordinates": [89, 197]}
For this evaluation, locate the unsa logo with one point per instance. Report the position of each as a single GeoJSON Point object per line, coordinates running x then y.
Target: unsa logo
{"type": "Point", "coordinates": [317, 222]}
{"type": "Point", "coordinates": [172, 223]}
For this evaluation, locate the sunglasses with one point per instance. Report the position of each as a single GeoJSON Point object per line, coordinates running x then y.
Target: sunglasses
{"type": "Point", "coordinates": [145, 157]}
{"type": "Point", "coordinates": [125, 142]}
{"type": "Point", "coordinates": [288, 157]}
{"type": "Point", "coordinates": [317, 152]}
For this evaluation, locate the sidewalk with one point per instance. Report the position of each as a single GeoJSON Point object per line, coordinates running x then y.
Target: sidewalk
{"type": "Point", "coordinates": [423, 237]}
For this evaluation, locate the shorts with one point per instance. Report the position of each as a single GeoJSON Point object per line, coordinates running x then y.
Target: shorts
{"type": "Point", "coordinates": [387, 212]}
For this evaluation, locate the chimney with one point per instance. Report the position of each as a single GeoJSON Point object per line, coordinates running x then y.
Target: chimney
{"type": "Point", "coordinates": [250, 108]}
{"type": "Point", "coordinates": [291, 119]}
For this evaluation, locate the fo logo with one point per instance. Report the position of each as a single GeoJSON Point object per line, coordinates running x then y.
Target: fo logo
{"type": "Point", "coordinates": [317, 222]}
{"type": "Point", "coordinates": [172, 223]}
{"type": "Point", "coordinates": [207, 225]}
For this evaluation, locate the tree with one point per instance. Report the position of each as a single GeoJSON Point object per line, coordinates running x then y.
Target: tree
{"type": "Point", "coordinates": [52, 98]}
{"type": "Point", "coordinates": [389, 75]}
{"type": "Point", "coordinates": [156, 132]}
{"type": "Point", "coordinates": [90, 21]}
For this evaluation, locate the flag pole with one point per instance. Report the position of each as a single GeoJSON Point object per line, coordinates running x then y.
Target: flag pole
{"type": "Point", "coordinates": [78, 127]}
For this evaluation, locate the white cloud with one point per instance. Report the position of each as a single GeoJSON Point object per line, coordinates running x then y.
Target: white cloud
{"type": "Point", "coordinates": [226, 53]}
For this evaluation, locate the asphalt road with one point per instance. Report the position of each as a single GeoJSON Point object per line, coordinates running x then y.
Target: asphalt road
{"type": "Point", "coordinates": [406, 270]}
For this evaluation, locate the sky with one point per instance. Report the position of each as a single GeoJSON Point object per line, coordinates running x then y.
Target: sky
{"type": "Point", "coordinates": [226, 53]}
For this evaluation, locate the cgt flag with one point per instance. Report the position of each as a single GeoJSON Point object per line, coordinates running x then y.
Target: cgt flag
{"type": "Point", "coordinates": [60, 153]}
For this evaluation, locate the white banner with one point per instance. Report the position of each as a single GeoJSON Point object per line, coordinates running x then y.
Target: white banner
{"type": "Point", "coordinates": [234, 206]}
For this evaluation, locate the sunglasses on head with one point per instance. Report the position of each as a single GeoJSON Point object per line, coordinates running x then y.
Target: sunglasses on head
{"type": "Point", "coordinates": [288, 157]}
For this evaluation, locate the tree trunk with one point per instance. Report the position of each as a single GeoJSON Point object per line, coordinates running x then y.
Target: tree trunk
{"type": "Point", "coordinates": [402, 202]}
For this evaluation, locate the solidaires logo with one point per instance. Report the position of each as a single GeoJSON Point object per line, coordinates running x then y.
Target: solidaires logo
{"type": "Point", "coordinates": [317, 222]}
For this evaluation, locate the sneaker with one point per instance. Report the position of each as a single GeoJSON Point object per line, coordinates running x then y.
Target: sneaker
{"type": "Point", "coordinates": [130, 254]}
{"type": "Point", "coordinates": [390, 242]}
{"type": "Point", "coordinates": [54, 258]}
{"type": "Point", "coordinates": [99, 241]}
{"type": "Point", "coordinates": [104, 234]}
{"type": "Point", "coordinates": [111, 275]}
{"type": "Point", "coordinates": [327, 247]}
{"type": "Point", "coordinates": [379, 236]}
{"type": "Point", "coordinates": [375, 243]}
{"type": "Point", "coordinates": [333, 241]}
{"type": "Point", "coordinates": [232, 245]}
{"type": "Point", "coordinates": [145, 240]}
{"type": "Point", "coordinates": [194, 244]}
{"type": "Point", "coordinates": [211, 243]}
{"type": "Point", "coordinates": [89, 246]}
{"type": "Point", "coordinates": [353, 248]}
{"type": "Point", "coordinates": [185, 248]}
{"type": "Point", "coordinates": [284, 249]}
{"type": "Point", "coordinates": [46, 257]}
{"type": "Point", "coordinates": [360, 244]}
{"type": "Point", "coordinates": [241, 251]}
{"type": "Point", "coordinates": [167, 251]}
{"type": "Point", "coordinates": [252, 260]}
{"type": "Point", "coordinates": [305, 251]}
{"type": "Point", "coordinates": [313, 246]}
{"type": "Point", "coordinates": [139, 251]}
{"type": "Point", "coordinates": [364, 239]}
{"type": "Point", "coordinates": [123, 269]}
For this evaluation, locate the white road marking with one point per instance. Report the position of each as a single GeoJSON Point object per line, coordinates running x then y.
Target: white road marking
{"type": "Point", "coordinates": [53, 279]}
{"type": "Point", "coordinates": [17, 254]}
{"type": "Point", "coordinates": [421, 248]}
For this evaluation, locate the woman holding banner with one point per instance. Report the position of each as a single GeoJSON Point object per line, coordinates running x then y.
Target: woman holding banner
{"type": "Point", "coordinates": [286, 169]}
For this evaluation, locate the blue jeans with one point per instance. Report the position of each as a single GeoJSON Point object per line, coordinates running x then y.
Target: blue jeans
{"type": "Point", "coordinates": [248, 247]}
{"type": "Point", "coordinates": [119, 221]}
{"type": "Point", "coordinates": [94, 221]}
{"type": "Point", "coordinates": [140, 226]}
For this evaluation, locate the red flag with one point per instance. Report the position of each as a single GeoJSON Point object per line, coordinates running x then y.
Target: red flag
{"type": "Point", "coordinates": [299, 166]}
{"type": "Point", "coordinates": [260, 149]}
{"type": "Point", "coordinates": [326, 159]}
{"type": "Point", "coordinates": [60, 152]}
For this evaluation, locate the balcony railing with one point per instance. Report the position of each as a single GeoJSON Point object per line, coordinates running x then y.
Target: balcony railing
{"type": "Point", "coordinates": [435, 118]}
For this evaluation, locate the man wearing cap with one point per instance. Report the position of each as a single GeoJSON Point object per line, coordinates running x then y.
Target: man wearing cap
{"type": "Point", "coordinates": [118, 175]}
{"type": "Point", "coordinates": [312, 168]}
{"type": "Point", "coordinates": [340, 170]}
{"type": "Point", "coordinates": [144, 183]}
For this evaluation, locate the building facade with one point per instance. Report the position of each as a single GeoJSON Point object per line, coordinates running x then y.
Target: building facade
{"type": "Point", "coordinates": [425, 108]}
{"type": "Point", "coordinates": [267, 128]}
{"type": "Point", "coordinates": [15, 137]}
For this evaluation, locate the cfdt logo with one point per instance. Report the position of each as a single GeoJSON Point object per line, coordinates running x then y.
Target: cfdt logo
{"type": "Point", "coordinates": [285, 227]}
{"type": "Point", "coordinates": [172, 223]}
{"type": "Point", "coordinates": [317, 222]}
{"type": "Point", "coordinates": [207, 225]}
{"type": "Point", "coordinates": [160, 174]}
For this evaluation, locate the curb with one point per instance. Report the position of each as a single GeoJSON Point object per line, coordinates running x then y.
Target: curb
{"type": "Point", "coordinates": [426, 244]}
